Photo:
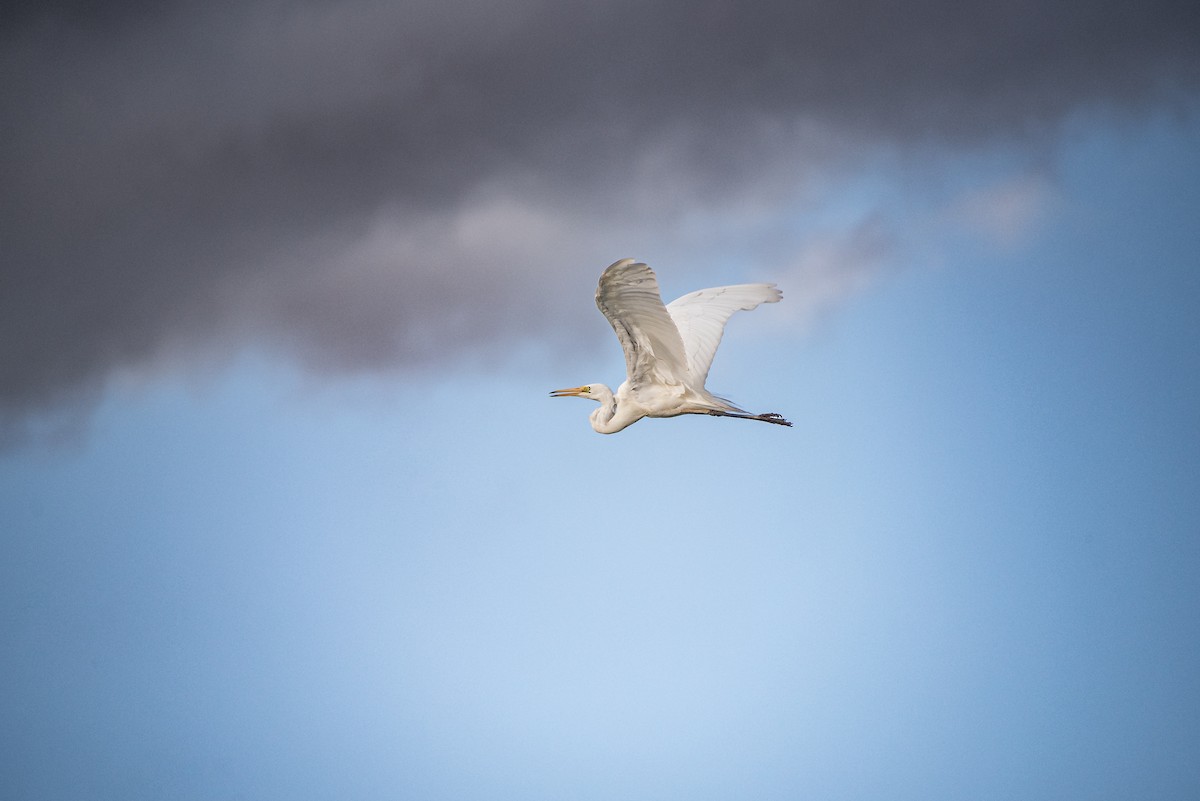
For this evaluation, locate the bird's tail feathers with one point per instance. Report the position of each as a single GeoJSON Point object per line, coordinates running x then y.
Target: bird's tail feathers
{"type": "Point", "coordinates": [724, 404]}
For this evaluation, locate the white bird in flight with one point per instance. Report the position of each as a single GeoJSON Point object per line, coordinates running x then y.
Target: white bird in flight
{"type": "Point", "coordinates": [668, 349]}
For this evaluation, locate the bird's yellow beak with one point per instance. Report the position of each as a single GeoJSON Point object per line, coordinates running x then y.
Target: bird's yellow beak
{"type": "Point", "coordinates": [573, 392]}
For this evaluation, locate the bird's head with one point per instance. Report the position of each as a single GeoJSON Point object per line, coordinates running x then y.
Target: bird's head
{"type": "Point", "coordinates": [596, 392]}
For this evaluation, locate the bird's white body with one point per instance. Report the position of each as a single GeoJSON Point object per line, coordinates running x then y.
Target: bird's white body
{"type": "Point", "coordinates": [668, 349]}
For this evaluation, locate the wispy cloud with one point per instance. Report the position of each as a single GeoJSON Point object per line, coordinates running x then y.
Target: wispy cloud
{"type": "Point", "coordinates": [1008, 212]}
{"type": "Point", "coordinates": [836, 264]}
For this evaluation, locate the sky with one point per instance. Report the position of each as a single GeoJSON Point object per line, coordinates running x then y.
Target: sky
{"type": "Point", "coordinates": [286, 512]}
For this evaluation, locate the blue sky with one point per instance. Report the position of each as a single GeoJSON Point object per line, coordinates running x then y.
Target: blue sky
{"type": "Point", "coordinates": [254, 560]}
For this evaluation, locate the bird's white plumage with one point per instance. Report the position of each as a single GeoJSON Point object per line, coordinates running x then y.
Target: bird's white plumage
{"type": "Point", "coordinates": [668, 349]}
{"type": "Point", "coordinates": [629, 297]}
{"type": "Point", "coordinates": [700, 318]}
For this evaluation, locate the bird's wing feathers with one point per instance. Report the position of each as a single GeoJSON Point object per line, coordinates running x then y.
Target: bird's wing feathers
{"type": "Point", "coordinates": [700, 318]}
{"type": "Point", "coordinates": [628, 296]}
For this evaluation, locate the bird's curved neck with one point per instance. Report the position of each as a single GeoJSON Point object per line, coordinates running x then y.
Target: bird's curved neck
{"type": "Point", "coordinates": [603, 418]}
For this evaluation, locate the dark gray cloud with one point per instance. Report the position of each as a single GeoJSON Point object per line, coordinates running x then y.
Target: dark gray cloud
{"type": "Point", "coordinates": [370, 184]}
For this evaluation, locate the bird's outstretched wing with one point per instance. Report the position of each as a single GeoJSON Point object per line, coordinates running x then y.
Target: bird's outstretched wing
{"type": "Point", "coordinates": [700, 318]}
{"type": "Point", "coordinates": [628, 296]}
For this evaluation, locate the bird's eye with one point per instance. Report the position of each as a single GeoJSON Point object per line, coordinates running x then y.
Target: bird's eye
{"type": "Point", "coordinates": [587, 389]}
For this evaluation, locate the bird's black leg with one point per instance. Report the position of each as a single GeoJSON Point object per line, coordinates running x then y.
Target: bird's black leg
{"type": "Point", "coordinates": [769, 417]}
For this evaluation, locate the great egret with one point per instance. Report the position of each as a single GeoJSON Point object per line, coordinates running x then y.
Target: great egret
{"type": "Point", "coordinates": [668, 349]}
